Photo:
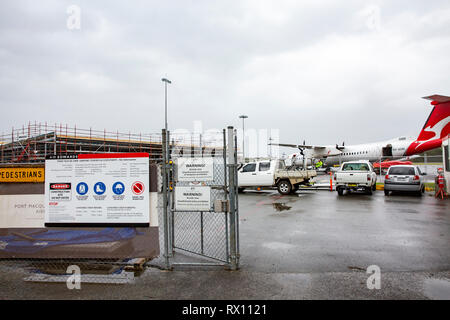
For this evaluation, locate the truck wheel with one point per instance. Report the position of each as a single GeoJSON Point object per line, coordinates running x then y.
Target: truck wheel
{"type": "Point", "coordinates": [284, 187]}
{"type": "Point", "coordinates": [369, 191]}
{"type": "Point", "coordinates": [340, 191]}
{"type": "Point", "coordinates": [386, 192]}
{"type": "Point", "coordinates": [374, 187]}
{"type": "Point", "coordinates": [240, 190]}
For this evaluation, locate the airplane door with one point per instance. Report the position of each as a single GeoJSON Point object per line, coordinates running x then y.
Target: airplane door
{"type": "Point", "coordinates": [446, 158]}
{"type": "Point", "coordinates": [387, 151]}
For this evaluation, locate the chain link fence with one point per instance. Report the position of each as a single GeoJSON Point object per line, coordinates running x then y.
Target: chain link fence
{"type": "Point", "coordinates": [200, 237]}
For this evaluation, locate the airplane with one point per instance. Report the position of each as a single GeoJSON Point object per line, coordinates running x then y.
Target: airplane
{"type": "Point", "coordinates": [435, 129]}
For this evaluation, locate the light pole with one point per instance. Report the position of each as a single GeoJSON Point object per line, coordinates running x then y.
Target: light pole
{"type": "Point", "coordinates": [166, 81]}
{"type": "Point", "coordinates": [243, 117]}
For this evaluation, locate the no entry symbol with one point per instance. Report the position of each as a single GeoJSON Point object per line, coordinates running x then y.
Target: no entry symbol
{"type": "Point", "coordinates": [137, 187]}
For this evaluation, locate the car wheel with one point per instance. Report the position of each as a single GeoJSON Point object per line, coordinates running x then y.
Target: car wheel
{"type": "Point", "coordinates": [284, 187]}
{"type": "Point", "coordinates": [374, 187]}
{"type": "Point", "coordinates": [369, 191]}
{"type": "Point", "coordinates": [340, 191]}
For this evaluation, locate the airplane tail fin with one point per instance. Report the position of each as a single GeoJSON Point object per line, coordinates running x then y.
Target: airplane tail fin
{"type": "Point", "coordinates": [437, 125]}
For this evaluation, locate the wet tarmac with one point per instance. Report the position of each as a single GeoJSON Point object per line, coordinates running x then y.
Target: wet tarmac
{"type": "Point", "coordinates": [318, 231]}
{"type": "Point", "coordinates": [311, 245]}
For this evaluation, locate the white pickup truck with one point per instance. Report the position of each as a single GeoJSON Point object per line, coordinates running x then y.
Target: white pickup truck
{"type": "Point", "coordinates": [355, 175]}
{"type": "Point", "coordinates": [272, 173]}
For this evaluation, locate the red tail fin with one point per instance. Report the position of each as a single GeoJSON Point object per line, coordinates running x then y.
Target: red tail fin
{"type": "Point", "coordinates": [437, 125]}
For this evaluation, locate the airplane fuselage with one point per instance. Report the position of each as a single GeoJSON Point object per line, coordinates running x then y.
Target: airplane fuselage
{"type": "Point", "coordinates": [394, 149]}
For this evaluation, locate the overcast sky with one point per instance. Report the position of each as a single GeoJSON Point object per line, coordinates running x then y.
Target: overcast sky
{"type": "Point", "coordinates": [320, 71]}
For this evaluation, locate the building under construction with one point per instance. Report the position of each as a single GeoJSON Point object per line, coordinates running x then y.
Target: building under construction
{"type": "Point", "coordinates": [34, 142]}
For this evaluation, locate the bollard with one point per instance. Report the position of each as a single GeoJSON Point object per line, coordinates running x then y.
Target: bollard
{"type": "Point", "coordinates": [440, 184]}
{"type": "Point", "coordinates": [331, 181]}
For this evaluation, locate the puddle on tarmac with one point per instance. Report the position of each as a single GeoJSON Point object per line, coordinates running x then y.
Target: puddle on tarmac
{"type": "Point", "coordinates": [280, 206]}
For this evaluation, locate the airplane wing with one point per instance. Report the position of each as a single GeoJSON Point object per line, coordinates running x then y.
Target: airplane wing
{"type": "Point", "coordinates": [297, 146]}
{"type": "Point", "coordinates": [313, 151]}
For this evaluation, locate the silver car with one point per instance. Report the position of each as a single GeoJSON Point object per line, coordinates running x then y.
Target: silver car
{"type": "Point", "coordinates": [407, 178]}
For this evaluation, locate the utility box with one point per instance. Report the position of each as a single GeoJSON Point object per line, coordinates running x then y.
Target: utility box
{"type": "Point", "coordinates": [446, 160]}
{"type": "Point", "coordinates": [221, 205]}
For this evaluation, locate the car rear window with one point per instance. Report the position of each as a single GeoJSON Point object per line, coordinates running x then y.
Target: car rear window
{"type": "Point", "coordinates": [355, 166]}
{"type": "Point", "coordinates": [264, 166]}
{"type": "Point", "coordinates": [402, 171]}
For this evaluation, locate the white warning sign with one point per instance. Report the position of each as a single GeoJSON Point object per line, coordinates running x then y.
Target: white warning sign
{"type": "Point", "coordinates": [195, 169]}
{"type": "Point", "coordinates": [192, 198]}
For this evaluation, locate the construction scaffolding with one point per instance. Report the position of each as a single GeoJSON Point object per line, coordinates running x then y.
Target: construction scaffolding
{"type": "Point", "coordinates": [34, 142]}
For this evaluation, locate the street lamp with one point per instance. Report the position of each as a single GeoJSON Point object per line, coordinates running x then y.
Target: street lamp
{"type": "Point", "coordinates": [243, 117]}
{"type": "Point", "coordinates": [166, 81]}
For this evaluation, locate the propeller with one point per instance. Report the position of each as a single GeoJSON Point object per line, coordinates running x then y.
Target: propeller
{"type": "Point", "coordinates": [340, 147]}
{"type": "Point", "coordinates": [302, 149]}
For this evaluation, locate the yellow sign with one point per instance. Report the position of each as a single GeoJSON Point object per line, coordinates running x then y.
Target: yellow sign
{"type": "Point", "coordinates": [22, 175]}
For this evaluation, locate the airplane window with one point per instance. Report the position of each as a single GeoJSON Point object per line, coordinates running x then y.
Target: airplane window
{"type": "Point", "coordinates": [251, 167]}
{"type": "Point", "coordinates": [264, 166]}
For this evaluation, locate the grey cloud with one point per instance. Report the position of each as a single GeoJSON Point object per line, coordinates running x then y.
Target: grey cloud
{"type": "Point", "coordinates": [309, 69]}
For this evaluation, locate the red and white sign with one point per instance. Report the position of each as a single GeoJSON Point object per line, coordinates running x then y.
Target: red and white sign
{"type": "Point", "coordinates": [84, 190]}
{"type": "Point", "coordinates": [59, 186]}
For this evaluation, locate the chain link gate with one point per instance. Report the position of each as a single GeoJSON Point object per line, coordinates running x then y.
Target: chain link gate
{"type": "Point", "coordinates": [201, 237]}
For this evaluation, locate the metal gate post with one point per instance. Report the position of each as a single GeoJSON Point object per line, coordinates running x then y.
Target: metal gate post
{"type": "Point", "coordinates": [172, 200]}
{"type": "Point", "coordinates": [169, 195]}
{"type": "Point", "coordinates": [236, 199]}
{"type": "Point", "coordinates": [225, 184]}
{"type": "Point", "coordinates": [232, 190]}
{"type": "Point", "coordinates": [165, 202]}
